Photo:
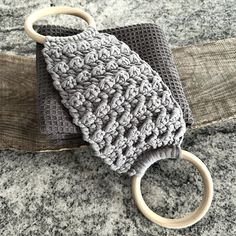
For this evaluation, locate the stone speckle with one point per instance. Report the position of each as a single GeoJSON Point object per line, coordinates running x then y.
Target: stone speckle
{"type": "Point", "coordinates": [184, 21]}
{"type": "Point", "coordinates": [74, 193]}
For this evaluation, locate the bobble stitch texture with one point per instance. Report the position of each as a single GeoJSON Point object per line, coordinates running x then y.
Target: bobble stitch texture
{"type": "Point", "coordinates": [121, 105]}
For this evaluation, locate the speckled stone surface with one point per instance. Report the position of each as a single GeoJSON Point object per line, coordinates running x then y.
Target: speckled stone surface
{"type": "Point", "coordinates": [74, 193]}
{"type": "Point", "coordinates": [184, 21]}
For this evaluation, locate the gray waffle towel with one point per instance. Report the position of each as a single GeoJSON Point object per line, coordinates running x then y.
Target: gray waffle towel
{"type": "Point", "coordinates": [148, 40]}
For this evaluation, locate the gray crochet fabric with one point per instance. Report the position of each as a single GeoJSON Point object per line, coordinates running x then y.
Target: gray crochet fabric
{"type": "Point", "coordinates": [123, 108]}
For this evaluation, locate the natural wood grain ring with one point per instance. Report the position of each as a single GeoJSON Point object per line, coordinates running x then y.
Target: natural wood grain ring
{"type": "Point", "coordinates": [32, 18]}
{"type": "Point", "coordinates": [188, 220]}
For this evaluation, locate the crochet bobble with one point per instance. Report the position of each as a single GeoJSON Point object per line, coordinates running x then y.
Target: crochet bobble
{"type": "Point", "coordinates": [120, 104]}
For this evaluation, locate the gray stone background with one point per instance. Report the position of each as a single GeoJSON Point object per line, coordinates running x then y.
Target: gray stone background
{"type": "Point", "coordinates": [74, 193]}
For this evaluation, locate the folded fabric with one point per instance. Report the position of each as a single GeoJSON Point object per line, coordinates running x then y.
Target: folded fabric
{"type": "Point", "coordinates": [147, 40]}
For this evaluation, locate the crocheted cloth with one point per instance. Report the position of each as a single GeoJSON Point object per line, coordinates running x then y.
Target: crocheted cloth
{"type": "Point", "coordinates": [120, 103]}
{"type": "Point", "coordinates": [147, 39]}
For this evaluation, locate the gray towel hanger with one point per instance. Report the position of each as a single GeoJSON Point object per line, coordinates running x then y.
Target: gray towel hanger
{"type": "Point", "coordinates": [125, 111]}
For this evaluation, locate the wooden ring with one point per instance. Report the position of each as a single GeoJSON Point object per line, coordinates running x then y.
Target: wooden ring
{"type": "Point", "coordinates": [185, 221]}
{"type": "Point", "coordinates": [33, 17]}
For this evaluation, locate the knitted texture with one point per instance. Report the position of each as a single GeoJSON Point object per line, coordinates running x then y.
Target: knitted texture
{"type": "Point", "coordinates": [120, 103]}
{"type": "Point", "coordinates": [148, 40]}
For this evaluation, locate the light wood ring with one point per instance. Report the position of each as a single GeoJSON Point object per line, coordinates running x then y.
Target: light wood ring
{"type": "Point", "coordinates": [32, 18]}
{"type": "Point", "coordinates": [185, 221]}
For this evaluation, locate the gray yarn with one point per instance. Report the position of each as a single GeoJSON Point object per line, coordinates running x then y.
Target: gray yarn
{"type": "Point", "coordinates": [122, 106]}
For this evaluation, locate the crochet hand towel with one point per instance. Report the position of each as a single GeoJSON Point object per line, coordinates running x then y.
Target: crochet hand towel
{"type": "Point", "coordinates": [122, 106]}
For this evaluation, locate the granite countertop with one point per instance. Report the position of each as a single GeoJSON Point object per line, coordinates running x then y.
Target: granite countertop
{"type": "Point", "coordinates": [184, 22]}
{"type": "Point", "coordinates": [74, 193]}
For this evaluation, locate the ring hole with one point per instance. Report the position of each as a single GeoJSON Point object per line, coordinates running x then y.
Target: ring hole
{"type": "Point", "coordinates": [171, 188]}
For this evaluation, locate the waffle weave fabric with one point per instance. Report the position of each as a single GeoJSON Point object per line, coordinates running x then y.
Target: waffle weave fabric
{"type": "Point", "coordinates": [148, 40]}
{"type": "Point", "coordinates": [120, 103]}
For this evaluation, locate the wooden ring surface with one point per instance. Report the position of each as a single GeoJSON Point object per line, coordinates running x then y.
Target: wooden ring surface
{"type": "Point", "coordinates": [33, 17]}
{"type": "Point", "coordinates": [185, 221]}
